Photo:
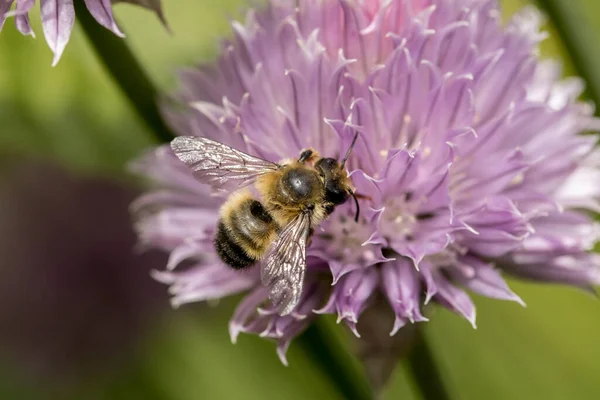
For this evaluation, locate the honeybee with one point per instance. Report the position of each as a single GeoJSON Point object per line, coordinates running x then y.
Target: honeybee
{"type": "Point", "coordinates": [296, 196]}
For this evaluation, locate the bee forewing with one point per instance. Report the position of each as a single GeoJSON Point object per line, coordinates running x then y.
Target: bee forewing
{"type": "Point", "coordinates": [220, 166]}
{"type": "Point", "coordinates": [283, 270]}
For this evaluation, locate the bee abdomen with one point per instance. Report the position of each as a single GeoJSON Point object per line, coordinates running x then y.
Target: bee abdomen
{"type": "Point", "coordinates": [229, 251]}
{"type": "Point", "coordinates": [244, 234]}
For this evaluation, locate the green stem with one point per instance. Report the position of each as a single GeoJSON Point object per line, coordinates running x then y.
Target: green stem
{"type": "Point", "coordinates": [335, 361]}
{"type": "Point", "coordinates": [580, 40]}
{"type": "Point", "coordinates": [423, 368]}
{"type": "Point", "coordinates": [126, 71]}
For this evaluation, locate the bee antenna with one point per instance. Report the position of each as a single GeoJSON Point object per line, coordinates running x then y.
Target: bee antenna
{"type": "Point", "coordinates": [350, 150]}
{"type": "Point", "coordinates": [357, 207]}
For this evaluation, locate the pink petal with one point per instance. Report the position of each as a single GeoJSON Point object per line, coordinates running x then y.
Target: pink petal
{"type": "Point", "coordinates": [58, 17]}
{"type": "Point", "coordinates": [101, 10]}
{"type": "Point", "coordinates": [4, 7]}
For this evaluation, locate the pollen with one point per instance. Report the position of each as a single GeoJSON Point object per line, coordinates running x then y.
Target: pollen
{"type": "Point", "coordinates": [399, 216]}
{"type": "Point", "coordinates": [517, 180]}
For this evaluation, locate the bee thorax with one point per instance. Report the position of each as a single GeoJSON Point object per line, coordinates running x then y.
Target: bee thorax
{"type": "Point", "coordinates": [300, 184]}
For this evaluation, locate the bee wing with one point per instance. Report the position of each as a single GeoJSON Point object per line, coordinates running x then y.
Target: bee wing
{"type": "Point", "coordinates": [220, 166]}
{"type": "Point", "coordinates": [283, 271]}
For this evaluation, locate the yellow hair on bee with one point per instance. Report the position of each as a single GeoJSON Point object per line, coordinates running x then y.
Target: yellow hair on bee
{"type": "Point", "coordinates": [244, 223]}
{"type": "Point", "coordinates": [278, 202]}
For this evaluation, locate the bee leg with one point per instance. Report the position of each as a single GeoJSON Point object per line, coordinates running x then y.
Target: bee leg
{"type": "Point", "coordinates": [305, 155]}
{"type": "Point", "coordinates": [308, 155]}
{"type": "Point", "coordinates": [310, 235]}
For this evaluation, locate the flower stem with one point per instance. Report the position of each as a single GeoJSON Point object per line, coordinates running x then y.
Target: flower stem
{"type": "Point", "coordinates": [126, 71]}
{"type": "Point", "coordinates": [580, 40]}
{"type": "Point", "coordinates": [426, 375]}
{"type": "Point", "coordinates": [335, 362]}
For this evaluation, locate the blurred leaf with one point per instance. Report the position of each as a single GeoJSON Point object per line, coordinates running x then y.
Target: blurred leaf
{"type": "Point", "coordinates": [423, 367]}
{"type": "Point", "coordinates": [547, 350]}
{"type": "Point", "coordinates": [331, 357]}
{"type": "Point", "coordinates": [48, 113]}
{"type": "Point", "coordinates": [576, 23]}
{"type": "Point", "coordinates": [193, 358]}
{"type": "Point", "coordinates": [125, 69]}
{"type": "Point", "coordinates": [153, 5]}
{"type": "Point", "coordinates": [197, 27]}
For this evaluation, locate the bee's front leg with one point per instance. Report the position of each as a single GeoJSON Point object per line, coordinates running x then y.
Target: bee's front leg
{"type": "Point", "coordinates": [307, 155]}
{"type": "Point", "coordinates": [310, 236]}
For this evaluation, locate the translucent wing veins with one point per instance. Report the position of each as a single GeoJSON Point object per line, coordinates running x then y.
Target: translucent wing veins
{"type": "Point", "coordinates": [220, 166]}
{"type": "Point", "coordinates": [283, 270]}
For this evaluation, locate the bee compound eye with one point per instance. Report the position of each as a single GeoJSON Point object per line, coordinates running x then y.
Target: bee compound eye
{"type": "Point", "coordinates": [330, 162]}
{"type": "Point", "coordinates": [335, 193]}
{"type": "Point", "coordinates": [326, 165]}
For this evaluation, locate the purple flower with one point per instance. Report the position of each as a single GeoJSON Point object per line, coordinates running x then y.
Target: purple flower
{"type": "Point", "coordinates": [58, 17]}
{"type": "Point", "coordinates": [470, 159]}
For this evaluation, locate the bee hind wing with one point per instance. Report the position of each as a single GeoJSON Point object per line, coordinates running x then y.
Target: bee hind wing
{"type": "Point", "coordinates": [220, 166]}
{"type": "Point", "coordinates": [283, 270]}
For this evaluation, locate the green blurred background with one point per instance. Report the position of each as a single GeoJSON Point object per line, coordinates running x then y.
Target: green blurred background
{"type": "Point", "coordinates": [75, 116]}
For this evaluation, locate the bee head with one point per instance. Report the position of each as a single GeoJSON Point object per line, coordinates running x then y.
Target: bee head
{"type": "Point", "coordinates": [336, 191]}
{"type": "Point", "coordinates": [337, 185]}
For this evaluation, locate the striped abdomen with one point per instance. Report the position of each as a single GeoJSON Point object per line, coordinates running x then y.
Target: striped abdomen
{"type": "Point", "coordinates": [244, 231]}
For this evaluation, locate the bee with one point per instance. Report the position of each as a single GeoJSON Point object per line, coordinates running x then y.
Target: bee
{"type": "Point", "coordinates": [296, 195]}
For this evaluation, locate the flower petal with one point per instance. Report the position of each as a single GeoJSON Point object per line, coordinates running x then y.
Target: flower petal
{"type": "Point", "coordinates": [453, 298]}
{"type": "Point", "coordinates": [101, 10]}
{"type": "Point", "coordinates": [152, 5]}
{"type": "Point", "coordinates": [482, 278]}
{"type": "Point", "coordinates": [58, 17]}
{"type": "Point", "coordinates": [402, 287]}
{"type": "Point", "coordinates": [4, 7]}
